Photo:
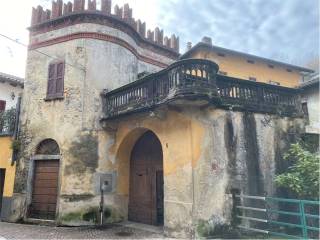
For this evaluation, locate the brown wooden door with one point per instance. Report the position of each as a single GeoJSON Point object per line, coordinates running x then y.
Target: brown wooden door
{"type": "Point", "coordinates": [2, 179]}
{"type": "Point", "coordinates": [45, 189]}
{"type": "Point", "coordinates": [146, 184]}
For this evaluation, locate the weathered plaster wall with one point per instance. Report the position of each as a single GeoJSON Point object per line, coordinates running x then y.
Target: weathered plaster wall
{"type": "Point", "coordinates": [5, 163]}
{"type": "Point", "coordinates": [311, 96]}
{"type": "Point", "coordinates": [108, 57]}
{"type": "Point", "coordinates": [238, 67]}
{"type": "Point", "coordinates": [206, 154]}
{"type": "Point", "coordinates": [10, 170]}
{"type": "Point", "coordinates": [239, 151]}
{"type": "Point", "coordinates": [91, 66]}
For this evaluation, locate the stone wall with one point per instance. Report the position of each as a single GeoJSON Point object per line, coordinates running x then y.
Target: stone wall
{"type": "Point", "coordinates": [91, 65]}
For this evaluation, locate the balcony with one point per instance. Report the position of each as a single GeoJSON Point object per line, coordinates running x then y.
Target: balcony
{"type": "Point", "coordinates": [195, 81]}
{"type": "Point", "coordinates": [7, 122]}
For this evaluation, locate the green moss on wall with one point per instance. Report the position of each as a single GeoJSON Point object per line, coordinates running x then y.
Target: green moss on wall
{"type": "Point", "coordinates": [84, 152]}
{"type": "Point", "coordinates": [209, 229]}
{"type": "Point", "coordinates": [73, 216]}
{"type": "Point", "coordinates": [77, 197]}
{"type": "Point", "coordinates": [92, 215]}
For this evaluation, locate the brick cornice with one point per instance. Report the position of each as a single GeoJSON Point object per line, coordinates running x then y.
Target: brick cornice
{"type": "Point", "coordinates": [98, 36]}
{"type": "Point", "coordinates": [103, 19]}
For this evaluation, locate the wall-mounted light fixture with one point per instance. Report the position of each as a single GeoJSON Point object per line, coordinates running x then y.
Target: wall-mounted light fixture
{"type": "Point", "coordinates": [13, 96]}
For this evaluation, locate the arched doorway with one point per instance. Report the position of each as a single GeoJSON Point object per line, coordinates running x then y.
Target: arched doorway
{"type": "Point", "coordinates": [45, 177]}
{"type": "Point", "coordinates": [146, 181]}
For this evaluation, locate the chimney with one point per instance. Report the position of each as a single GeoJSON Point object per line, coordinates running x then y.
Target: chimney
{"type": "Point", "coordinates": [207, 40]}
{"type": "Point", "coordinates": [189, 45]}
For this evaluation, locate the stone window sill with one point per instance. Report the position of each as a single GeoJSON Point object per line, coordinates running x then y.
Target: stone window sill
{"type": "Point", "coordinates": [53, 98]}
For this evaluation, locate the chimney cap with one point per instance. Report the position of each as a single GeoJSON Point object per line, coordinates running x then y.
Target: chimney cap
{"type": "Point", "coordinates": [189, 45]}
{"type": "Point", "coordinates": [207, 40]}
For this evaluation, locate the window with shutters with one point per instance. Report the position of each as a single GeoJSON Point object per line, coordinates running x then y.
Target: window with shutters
{"type": "Point", "coordinates": [55, 80]}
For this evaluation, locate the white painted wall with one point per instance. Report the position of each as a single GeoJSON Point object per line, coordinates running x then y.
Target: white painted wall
{"type": "Point", "coordinates": [5, 94]}
{"type": "Point", "coordinates": [311, 96]}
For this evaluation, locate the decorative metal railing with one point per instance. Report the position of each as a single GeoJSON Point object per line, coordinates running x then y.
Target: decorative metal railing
{"type": "Point", "coordinates": [258, 97]}
{"type": "Point", "coordinates": [294, 219]}
{"type": "Point", "coordinates": [197, 79]}
{"type": "Point", "coordinates": [7, 122]}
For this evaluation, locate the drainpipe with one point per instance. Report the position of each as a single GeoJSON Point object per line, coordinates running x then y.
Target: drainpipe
{"type": "Point", "coordinates": [101, 203]}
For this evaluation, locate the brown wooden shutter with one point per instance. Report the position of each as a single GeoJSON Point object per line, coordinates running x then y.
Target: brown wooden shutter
{"type": "Point", "coordinates": [2, 105]}
{"type": "Point", "coordinates": [60, 79]}
{"type": "Point", "coordinates": [55, 80]}
{"type": "Point", "coordinates": [51, 81]}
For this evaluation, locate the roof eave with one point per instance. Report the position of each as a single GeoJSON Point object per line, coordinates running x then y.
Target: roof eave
{"type": "Point", "coordinates": [211, 47]}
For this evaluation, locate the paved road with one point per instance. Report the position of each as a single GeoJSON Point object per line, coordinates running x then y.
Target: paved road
{"type": "Point", "coordinates": [24, 231]}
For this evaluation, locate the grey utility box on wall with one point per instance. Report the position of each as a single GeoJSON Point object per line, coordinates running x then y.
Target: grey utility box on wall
{"type": "Point", "coordinates": [106, 181]}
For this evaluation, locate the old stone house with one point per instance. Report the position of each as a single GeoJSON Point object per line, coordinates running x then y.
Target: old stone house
{"type": "Point", "coordinates": [114, 108]}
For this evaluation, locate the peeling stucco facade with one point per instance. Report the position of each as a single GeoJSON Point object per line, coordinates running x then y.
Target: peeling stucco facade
{"type": "Point", "coordinates": [207, 151]}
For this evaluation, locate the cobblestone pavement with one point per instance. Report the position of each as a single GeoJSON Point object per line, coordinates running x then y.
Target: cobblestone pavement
{"type": "Point", "coordinates": [24, 231]}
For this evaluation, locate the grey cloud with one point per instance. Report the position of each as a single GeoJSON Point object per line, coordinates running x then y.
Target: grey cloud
{"type": "Point", "coordinates": [286, 30]}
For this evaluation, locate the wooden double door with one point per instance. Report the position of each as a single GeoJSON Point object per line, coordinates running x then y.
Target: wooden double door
{"type": "Point", "coordinates": [45, 189]}
{"type": "Point", "coordinates": [146, 181]}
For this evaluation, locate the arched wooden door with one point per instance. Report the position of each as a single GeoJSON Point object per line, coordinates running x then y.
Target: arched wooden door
{"type": "Point", "coordinates": [146, 181]}
{"type": "Point", "coordinates": [45, 181]}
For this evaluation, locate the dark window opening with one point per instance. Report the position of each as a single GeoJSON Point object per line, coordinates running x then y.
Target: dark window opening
{"type": "Point", "coordinates": [48, 147]}
{"type": "Point", "coordinates": [221, 54]}
{"type": "Point", "coordinates": [252, 79]}
{"type": "Point", "coordinates": [55, 80]}
{"type": "Point", "coordinates": [304, 106]}
{"type": "Point", "coordinates": [274, 83]}
{"type": "Point", "coordinates": [289, 70]}
{"type": "Point", "coordinates": [250, 61]}
{"type": "Point", "coordinates": [2, 105]}
{"type": "Point", "coordinates": [223, 73]}
{"type": "Point", "coordinates": [270, 66]}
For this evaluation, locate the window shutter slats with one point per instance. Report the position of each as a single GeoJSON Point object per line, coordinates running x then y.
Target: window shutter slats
{"type": "Point", "coordinates": [51, 80]}
{"type": "Point", "coordinates": [55, 80]}
{"type": "Point", "coordinates": [59, 79]}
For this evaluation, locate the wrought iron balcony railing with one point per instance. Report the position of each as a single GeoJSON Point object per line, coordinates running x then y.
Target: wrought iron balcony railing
{"type": "Point", "coordinates": [197, 80]}
{"type": "Point", "coordinates": [7, 122]}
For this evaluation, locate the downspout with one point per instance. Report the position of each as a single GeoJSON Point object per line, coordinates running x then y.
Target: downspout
{"type": "Point", "coordinates": [192, 172]}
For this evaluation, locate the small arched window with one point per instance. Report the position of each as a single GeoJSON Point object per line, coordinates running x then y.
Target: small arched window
{"type": "Point", "coordinates": [55, 80]}
{"type": "Point", "coordinates": [48, 147]}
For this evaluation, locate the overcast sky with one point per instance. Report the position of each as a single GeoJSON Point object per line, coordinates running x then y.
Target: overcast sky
{"type": "Point", "coordinates": [285, 30]}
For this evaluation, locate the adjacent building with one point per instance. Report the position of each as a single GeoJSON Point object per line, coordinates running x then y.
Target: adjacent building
{"type": "Point", "coordinates": [246, 66]}
{"type": "Point", "coordinates": [167, 141]}
{"type": "Point", "coordinates": [310, 102]}
{"type": "Point", "coordinates": [10, 92]}
{"type": "Point", "coordinates": [11, 88]}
